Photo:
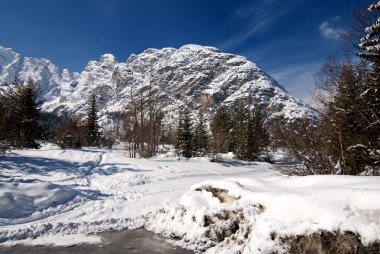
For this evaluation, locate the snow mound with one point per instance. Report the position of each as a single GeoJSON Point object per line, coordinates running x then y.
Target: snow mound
{"type": "Point", "coordinates": [263, 212]}
{"type": "Point", "coordinates": [31, 198]}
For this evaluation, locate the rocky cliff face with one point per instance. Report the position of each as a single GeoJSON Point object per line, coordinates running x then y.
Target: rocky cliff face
{"type": "Point", "coordinates": [50, 78]}
{"type": "Point", "coordinates": [195, 76]}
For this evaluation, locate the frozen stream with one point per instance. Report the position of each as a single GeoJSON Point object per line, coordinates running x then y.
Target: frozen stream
{"type": "Point", "coordinates": [125, 241]}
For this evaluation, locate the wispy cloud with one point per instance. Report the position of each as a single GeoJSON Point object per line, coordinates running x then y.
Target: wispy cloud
{"type": "Point", "coordinates": [258, 16]}
{"type": "Point", "coordinates": [298, 79]}
{"type": "Point", "coordinates": [276, 49]}
{"type": "Point", "coordinates": [328, 31]}
{"type": "Point", "coordinates": [247, 32]}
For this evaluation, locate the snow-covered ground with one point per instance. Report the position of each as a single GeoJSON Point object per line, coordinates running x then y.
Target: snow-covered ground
{"type": "Point", "coordinates": [55, 196]}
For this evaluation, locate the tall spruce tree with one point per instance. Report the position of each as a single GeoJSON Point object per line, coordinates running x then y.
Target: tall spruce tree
{"type": "Point", "coordinates": [4, 143]}
{"type": "Point", "coordinates": [250, 136]}
{"type": "Point", "coordinates": [342, 121]}
{"type": "Point", "coordinates": [371, 41]}
{"type": "Point", "coordinates": [8, 126]}
{"type": "Point", "coordinates": [257, 137]}
{"type": "Point", "coordinates": [185, 138]}
{"type": "Point", "coordinates": [240, 133]}
{"type": "Point", "coordinates": [222, 141]}
{"type": "Point", "coordinates": [370, 46]}
{"type": "Point", "coordinates": [20, 113]}
{"type": "Point", "coordinates": [30, 129]}
{"type": "Point", "coordinates": [201, 138]}
{"type": "Point", "coordinates": [92, 125]}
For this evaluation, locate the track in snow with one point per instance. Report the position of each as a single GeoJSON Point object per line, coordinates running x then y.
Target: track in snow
{"type": "Point", "coordinates": [115, 191]}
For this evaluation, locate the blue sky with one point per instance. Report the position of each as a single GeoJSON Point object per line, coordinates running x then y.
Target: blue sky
{"type": "Point", "coordinates": [288, 39]}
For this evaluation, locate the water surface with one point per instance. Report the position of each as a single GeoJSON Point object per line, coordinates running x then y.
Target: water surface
{"type": "Point", "coordinates": [125, 241]}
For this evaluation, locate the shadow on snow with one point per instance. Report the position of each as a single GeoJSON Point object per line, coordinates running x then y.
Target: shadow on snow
{"type": "Point", "coordinates": [46, 166]}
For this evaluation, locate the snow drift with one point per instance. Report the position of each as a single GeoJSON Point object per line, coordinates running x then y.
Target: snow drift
{"type": "Point", "coordinates": [261, 212]}
{"type": "Point", "coordinates": [22, 199]}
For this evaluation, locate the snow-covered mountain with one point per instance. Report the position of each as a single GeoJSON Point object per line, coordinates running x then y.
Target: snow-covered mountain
{"type": "Point", "coordinates": [196, 76]}
{"type": "Point", "coordinates": [50, 78]}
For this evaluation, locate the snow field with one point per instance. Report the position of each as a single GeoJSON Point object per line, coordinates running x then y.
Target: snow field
{"type": "Point", "coordinates": [90, 190]}
{"type": "Point", "coordinates": [54, 196]}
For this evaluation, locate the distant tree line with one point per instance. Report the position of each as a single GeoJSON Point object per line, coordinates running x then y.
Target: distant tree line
{"type": "Point", "coordinates": [232, 129]}
{"type": "Point", "coordinates": [23, 124]}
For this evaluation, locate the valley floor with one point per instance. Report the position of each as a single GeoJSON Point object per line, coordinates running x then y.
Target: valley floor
{"type": "Point", "coordinates": [55, 196]}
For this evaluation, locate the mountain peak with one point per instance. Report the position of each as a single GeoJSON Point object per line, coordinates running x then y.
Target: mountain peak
{"type": "Point", "coordinates": [7, 51]}
{"type": "Point", "coordinates": [199, 77]}
{"type": "Point", "coordinates": [4, 48]}
{"type": "Point", "coordinates": [48, 76]}
{"type": "Point", "coordinates": [108, 58]}
{"type": "Point", "coordinates": [196, 47]}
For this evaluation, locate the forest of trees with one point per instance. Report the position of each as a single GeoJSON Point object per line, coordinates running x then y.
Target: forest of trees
{"type": "Point", "coordinates": [232, 129]}
{"type": "Point", "coordinates": [343, 139]}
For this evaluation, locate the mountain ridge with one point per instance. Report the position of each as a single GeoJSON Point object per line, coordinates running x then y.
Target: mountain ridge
{"type": "Point", "coordinates": [200, 77]}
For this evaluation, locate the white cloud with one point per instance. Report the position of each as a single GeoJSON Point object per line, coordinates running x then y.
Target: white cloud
{"type": "Point", "coordinates": [329, 32]}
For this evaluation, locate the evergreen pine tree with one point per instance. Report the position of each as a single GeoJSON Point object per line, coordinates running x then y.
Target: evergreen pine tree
{"type": "Point", "coordinates": [92, 125]}
{"type": "Point", "coordinates": [370, 46]}
{"type": "Point", "coordinates": [342, 121]}
{"type": "Point", "coordinates": [185, 138]}
{"type": "Point", "coordinates": [257, 136]}
{"type": "Point", "coordinates": [20, 114]}
{"type": "Point", "coordinates": [4, 144]}
{"type": "Point", "coordinates": [221, 131]}
{"type": "Point", "coordinates": [370, 43]}
{"type": "Point", "coordinates": [201, 137]}
{"type": "Point", "coordinates": [240, 133]}
{"type": "Point", "coordinates": [29, 114]}
{"type": "Point", "coordinates": [251, 138]}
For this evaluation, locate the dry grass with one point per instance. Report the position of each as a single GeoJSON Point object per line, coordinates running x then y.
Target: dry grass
{"type": "Point", "coordinates": [221, 194]}
{"type": "Point", "coordinates": [329, 242]}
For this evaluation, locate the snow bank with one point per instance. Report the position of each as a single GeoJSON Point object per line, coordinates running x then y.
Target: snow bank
{"type": "Point", "coordinates": [264, 211]}
{"type": "Point", "coordinates": [33, 198]}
